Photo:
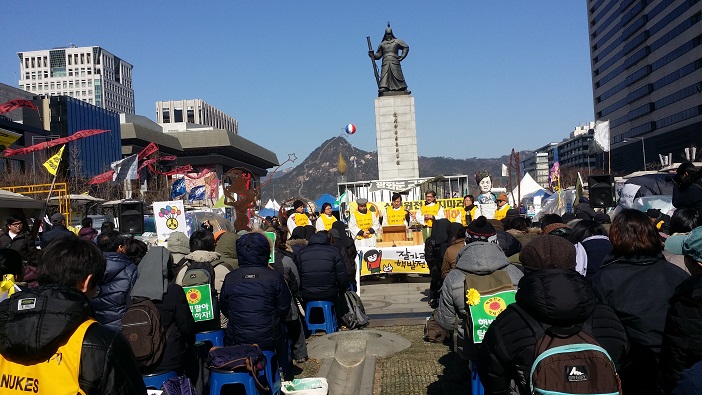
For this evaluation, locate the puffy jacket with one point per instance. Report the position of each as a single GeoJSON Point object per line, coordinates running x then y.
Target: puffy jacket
{"type": "Point", "coordinates": [690, 381]}
{"type": "Point", "coordinates": [596, 249]}
{"type": "Point", "coordinates": [322, 271]}
{"type": "Point", "coordinates": [110, 302]}
{"type": "Point", "coordinates": [226, 247]}
{"type": "Point", "coordinates": [107, 365]}
{"type": "Point", "coordinates": [88, 234]}
{"type": "Point", "coordinates": [480, 258]}
{"type": "Point", "coordinates": [560, 297]}
{"type": "Point", "coordinates": [57, 232]}
{"type": "Point", "coordinates": [174, 312]}
{"type": "Point", "coordinates": [638, 289]}
{"type": "Point", "coordinates": [682, 340]}
{"type": "Point", "coordinates": [213, 259]}
{"type": "Point", "coordinates": [450, 257]}
{"type": "Point", "coordinates": [21, 243]}
{"type": "Point", "coordinates": [255, 298]}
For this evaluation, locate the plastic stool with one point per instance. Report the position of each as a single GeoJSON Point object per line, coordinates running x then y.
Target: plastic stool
{"type": "Point", "coordinates": [329, 324]}
{"type": "Point", "coordinates": [476, 387]}
{"type": "Point", "coordinates": [272, 371]}
{"type": "Point", "coordinates": [156, 380]}
{"type": "Point", "coordinates": [220, 378]}
{"type": "Point", "coordinates": [215, 336]}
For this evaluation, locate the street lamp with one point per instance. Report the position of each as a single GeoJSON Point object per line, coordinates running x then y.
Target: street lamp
{"type": "Point", "coordinates": [643, 148]}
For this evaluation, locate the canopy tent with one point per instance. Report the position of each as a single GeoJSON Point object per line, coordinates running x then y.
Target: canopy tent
{"type": "Point", "coordinates": [15, 200]}
{"type": "Point", "coordinates": [272, 204]}
{"type": "Point", "coordinates": [327, 198]}
{"type": "Point", "coordinates": [544, 194]}
{"type": "Point", "coordinates": [526, 186]}
{"type": "Point", "coordinates": [77, 199]}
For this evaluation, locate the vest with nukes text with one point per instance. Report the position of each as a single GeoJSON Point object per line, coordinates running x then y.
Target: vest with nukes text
{"type": "Point", "coordinates": [430, 210]}
{"type": "Point", "coordinates": [301, 219]}
{"type": "Point", "coordinates": [364, 221]}
{"type": "Point", "coordinates": [395, 216]}
{"type": "Point", "coordinates": [57, 376]}
{"type": "Point", "coordinates": [327, 221]}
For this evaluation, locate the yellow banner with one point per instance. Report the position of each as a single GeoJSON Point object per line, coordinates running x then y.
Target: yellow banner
{"type": "Point", "coordinates": [52, 163]}
{"type": "Point", "coordinates": [8, 138]}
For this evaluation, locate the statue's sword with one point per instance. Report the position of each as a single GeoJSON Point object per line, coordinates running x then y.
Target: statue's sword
{"type": "Point", "coordinates": [375, 66]}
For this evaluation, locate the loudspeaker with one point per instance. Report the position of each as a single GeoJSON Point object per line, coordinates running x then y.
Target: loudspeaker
{"type": "Point", "coordinates": [601, 189]}
{"type": "Point", "coordinates": [131, 217]}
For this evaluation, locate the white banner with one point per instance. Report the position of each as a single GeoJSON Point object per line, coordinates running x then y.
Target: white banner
{"type": "Point", "coordinates": [169, 218]}
{"type": "Point", "coordinates": [602, 135]}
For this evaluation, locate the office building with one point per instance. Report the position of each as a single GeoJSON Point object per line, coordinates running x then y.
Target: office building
{"type": "Point", "coordinates": [647, 77]}
{"type": "Point", "coordinates": [179, 115]}
{"type": "Point", "coordinates": [90, 74]}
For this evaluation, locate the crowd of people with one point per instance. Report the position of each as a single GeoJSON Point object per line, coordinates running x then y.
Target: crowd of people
{"type": "Point", "coordinates": [75, 291]}
{"type": "Point", "coordinates": [631, 282]}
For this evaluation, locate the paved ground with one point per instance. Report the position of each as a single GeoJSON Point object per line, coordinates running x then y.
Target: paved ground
{"type": "Point", "coordinates": [424, 368]}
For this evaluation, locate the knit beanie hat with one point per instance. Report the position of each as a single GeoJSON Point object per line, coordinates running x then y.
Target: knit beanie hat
{"type": "Point", "coordinates": [548, 252]}
{"type": "Point", "coordinates": [480, 230]}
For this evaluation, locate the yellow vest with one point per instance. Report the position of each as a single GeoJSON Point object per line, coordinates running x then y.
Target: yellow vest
{"type": "Point", "coordinates": [502, 212]}
{"type": "Point", "coordinates": [301, 219]}
{"type": "Point", "coordinates": [395, 217]}
{"type": "Point", "coordinates": [327, 221]}
{"type": "Point", "coordinates": [57, 376]}
{"type": "Point", "coordinates": [430, 210]}
{"type": "Point", "coordinates": [364, 221]}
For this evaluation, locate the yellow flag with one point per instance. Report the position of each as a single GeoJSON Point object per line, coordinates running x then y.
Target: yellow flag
{"type": "Point", "coordinates": [52, 163]}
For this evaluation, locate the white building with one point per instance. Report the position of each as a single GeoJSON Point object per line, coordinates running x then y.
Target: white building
{"type": "Point", "coordinates": [90, 74]}
{"type": "Point", "coordinates": [177, 115]}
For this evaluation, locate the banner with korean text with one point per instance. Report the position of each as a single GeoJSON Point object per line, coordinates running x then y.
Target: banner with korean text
{"type": "Point", "coordinates": [388, 260]}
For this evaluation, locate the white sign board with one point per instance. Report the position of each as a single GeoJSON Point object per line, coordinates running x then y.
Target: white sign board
{"type": "Point", "coordinates": [169, 218]}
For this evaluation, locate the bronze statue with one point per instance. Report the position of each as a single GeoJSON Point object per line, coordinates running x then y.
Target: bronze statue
{"type": "Point", "coordinates": [240, 194]}
{"type": "Point", "coordinates": [392, 51]}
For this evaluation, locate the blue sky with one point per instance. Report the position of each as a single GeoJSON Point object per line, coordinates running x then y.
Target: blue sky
{"type": "Point", "coordinates": [487, 76]}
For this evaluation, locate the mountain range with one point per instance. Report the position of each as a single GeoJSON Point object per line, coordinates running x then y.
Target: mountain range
{"type": "Point", "coordinates": [318, 173]}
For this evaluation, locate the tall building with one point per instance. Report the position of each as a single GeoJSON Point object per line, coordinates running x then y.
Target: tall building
{"type": "Point", "coordinates": [90, 74]}
{"type": "Point", "coordinates": [177, 115]}
{"type": "Point", "coordinates": [647, 77]}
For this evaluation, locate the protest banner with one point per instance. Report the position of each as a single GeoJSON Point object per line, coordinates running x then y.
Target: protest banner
{"type": "Point", "coordinates": [200, 302]}
{"type": "Point", "coordinates": [169, 217]}
{"type": "Point", "coordinates": [483, 311]}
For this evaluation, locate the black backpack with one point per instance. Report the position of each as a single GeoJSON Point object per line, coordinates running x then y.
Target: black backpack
{"type": "Point", "coordinates": [353, 315]}
{"type": "Point", "coordinates": [202, 273]}
{"type": "Point", "coordinates": [240, 358]}
{"type": "Point", "coordinates": [141, 326]}
{"type": "Point", "coordinates": [569, 361]}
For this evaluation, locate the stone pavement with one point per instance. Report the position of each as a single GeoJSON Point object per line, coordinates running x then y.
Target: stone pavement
{"type": "Point", "coordinates": [389, 302]}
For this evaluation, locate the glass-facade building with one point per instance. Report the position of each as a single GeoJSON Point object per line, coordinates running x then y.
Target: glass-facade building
{"type": "Point", "coordinates": [646, 60]}
{"type": "Point", "coordinates": [92, 155]}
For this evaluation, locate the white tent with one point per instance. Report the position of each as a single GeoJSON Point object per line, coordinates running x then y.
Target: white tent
{"type": "Point", "coordinates": [526, 185]}
{"type": "Point", "coordinates": [272, 204]}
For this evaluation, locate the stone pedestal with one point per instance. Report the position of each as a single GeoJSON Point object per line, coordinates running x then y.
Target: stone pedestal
{"type": "Point", "coordinates": [396, 137]}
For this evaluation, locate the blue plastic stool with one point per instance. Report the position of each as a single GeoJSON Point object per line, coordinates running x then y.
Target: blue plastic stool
{"type": "Point", "coordinates": [476, 387]}
{"type": "Point", "coordinates": [156, 380]}
{"type": "Point", "coordinates": [272, 371]}
{"type": "Point", "coordinates": [220, 378]}
{"type": "Point", "coordinates": [215, 336]}
{"type": "Point", "coordinates": [329, 324]}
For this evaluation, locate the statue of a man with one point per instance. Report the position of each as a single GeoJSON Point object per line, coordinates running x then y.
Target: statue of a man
{"type": "Point", "coordinates": [392, 50]}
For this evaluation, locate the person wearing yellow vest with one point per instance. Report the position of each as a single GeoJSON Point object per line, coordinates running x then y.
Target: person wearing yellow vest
{"type": "Point", "coordinates": [326, 219]}
{"type": "Point", "coordinates": [468, 212]}
{"type": "Point", "coordinates": [298, 217]}
{"type": "Point", "coordinates": [502, 206]}
{"type": "Point", "coordinates": [363, 223]}
{"type": "Point", "coordinates": [51, 345]}
{"type": "Point", "coordinates": [396, 214]}
{"type": "Point", "coordinates": [430, 211]}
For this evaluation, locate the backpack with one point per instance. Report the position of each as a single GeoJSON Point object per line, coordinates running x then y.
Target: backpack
{"type": "Point", "coordinates": [202, 273]}
{"type": "Point", "coordinates": [569, 361]}
{"type": "Point", "coordinates": [486, 285]}
{"type": "Point", "coordinates": [179, 385]}
{"type": "Point", "coordinates": [141, 326]}
{"type": "Point", "coordinates": [433, 333]}
{"type": "Point", "coordinates": [240, 358]}
{"type": "Point", "coordinates": [353, 315]}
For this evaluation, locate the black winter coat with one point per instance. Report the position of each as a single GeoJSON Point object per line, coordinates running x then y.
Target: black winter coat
{"type": "Point", "coordinates": [688, 195]}
{"type": "Point", "coordinates": [682, 340]}
{"type": "Point", "coordinates": [553, 297]}
{"type": "Point", "coordinates": [21, 243]}
{"type": "Point", "coordinates": [178, 322]}
{"type": "Point", "coordinates": [638, 289]}
{"type": "Point", "coordinates": [110, 303]}
{"type": "Point", "coordinates": [57, 232]}
{"type": "Point", "coordinates": [107, 365]}
{"type": "Point", "coordinates": [256, 300]}
{"type": "Point", "coordinates": [322, 271]}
